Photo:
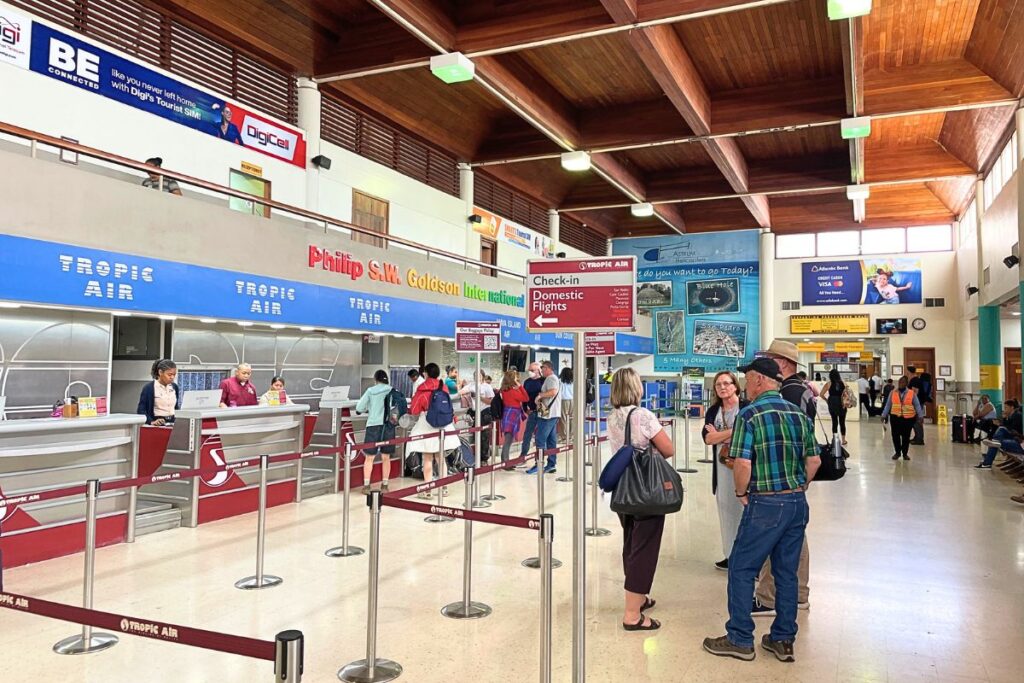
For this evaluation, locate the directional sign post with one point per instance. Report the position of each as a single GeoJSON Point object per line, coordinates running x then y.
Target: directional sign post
{"type": "Point", "coordinates": [587, 294]}
{"type": "Point", "coordinates": [580, 295]}
{"type": "Point", "coordinates": [599, 344]}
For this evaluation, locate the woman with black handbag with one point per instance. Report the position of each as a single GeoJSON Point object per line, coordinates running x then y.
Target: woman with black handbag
{"type": "Point", "coordinates": [631, 429]}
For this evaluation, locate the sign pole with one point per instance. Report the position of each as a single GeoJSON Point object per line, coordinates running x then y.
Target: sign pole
{"type": "Point", "coordinates": [579, 550]}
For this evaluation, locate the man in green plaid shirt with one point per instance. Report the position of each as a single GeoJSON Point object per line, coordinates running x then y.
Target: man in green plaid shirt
{"type": "Point", "coordinates": [776, 456]}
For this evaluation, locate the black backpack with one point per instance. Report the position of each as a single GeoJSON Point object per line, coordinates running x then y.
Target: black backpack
{"type": "Point", "coordinates": [497, 407]}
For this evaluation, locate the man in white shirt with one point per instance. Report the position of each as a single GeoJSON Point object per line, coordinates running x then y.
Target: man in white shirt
{"type": "Point", "coordinates": [417, 379]}
{"type": "Point", "coordinates": [547, 426]}
{"type": "Point", "coordinates": [875, 388]}
{"type": "Point", "coordinates": [862, 389]}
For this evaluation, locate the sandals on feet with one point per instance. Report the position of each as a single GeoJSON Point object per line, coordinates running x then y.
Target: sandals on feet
{"type": "Point", "coordinates": [648, 604]}
{"type": "Point", "coordinates": [639, 626]}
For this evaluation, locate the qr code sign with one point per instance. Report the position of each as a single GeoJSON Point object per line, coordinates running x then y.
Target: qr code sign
{"type": "Point", "coordinates": [490, 343]}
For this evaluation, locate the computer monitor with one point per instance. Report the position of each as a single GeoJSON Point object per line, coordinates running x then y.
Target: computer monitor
{"type": "Point", "coordinates": [195, 400]}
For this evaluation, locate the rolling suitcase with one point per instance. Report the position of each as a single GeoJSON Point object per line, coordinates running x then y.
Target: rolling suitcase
{"type": "Point", "coordinates": [963, 428]}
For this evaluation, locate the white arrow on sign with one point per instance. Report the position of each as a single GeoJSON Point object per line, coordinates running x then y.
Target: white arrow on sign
{"type": "Point", "coordinates": [540, 320]}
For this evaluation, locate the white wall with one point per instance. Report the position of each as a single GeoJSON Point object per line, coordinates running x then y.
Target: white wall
{"type": "Point", "coordinates": [998, 236]}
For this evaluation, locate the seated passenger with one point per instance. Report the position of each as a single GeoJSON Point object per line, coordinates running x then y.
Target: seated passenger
{"type": "Point", "coordinates": [1008, 437]}
{"type": "Point", "coordinates": [161, 397]}
{"type": "Point", "coordinates": [985, 417]}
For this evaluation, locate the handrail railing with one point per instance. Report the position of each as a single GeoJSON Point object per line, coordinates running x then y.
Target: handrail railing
{"type": "Point", "coordinates": [35, 138]}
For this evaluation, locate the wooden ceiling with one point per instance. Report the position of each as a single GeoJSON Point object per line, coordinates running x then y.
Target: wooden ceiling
{"type": "Point", "coordinates": [725, 110]}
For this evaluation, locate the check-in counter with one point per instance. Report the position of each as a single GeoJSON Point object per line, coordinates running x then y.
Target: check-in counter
{"type": "Point", "coordinates": [53, 453]}
{"type": "Point", "coordinates": [217, 436]}
{"type": "Point", "coordinates": [336, 426]}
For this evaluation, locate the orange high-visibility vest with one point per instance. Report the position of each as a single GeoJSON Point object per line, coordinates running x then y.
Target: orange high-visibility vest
{"type": "Point", "coordinates": [903, 407]}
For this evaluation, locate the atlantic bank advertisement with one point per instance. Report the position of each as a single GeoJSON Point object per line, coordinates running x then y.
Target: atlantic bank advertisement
{"type": "Point", "coordinates": [703, 295]}
{"type": "Point", "coordinates": [880, 281]}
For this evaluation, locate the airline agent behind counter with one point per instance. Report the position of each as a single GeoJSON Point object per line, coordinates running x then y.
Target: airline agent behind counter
{"type": "Point", "coordinates": [161, 397]}
{"type": "Point", "coordinates": [237, 391]}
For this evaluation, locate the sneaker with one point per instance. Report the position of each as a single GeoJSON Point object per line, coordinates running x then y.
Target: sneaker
{"type": "Point", "coordinates": [723, 565]}
{"type": "Point", "coordinates": [532, 470]}
{"type": "Point", "coordinates": [384, 486]}
{"type": "Point", "coordinates": [982, 466]}
{"type": "Point", "coordinates": [782, 649]}
{"type": "Point", "coordinates": [723, 647]}
{"type": "Point", "coordinates": [1019, 500]}
{"type": "Point", "coordinates": [989, 443]}
{"type": "Point", "coordinates": [803, 605]}
{"type": "Point", "coordinates": [761, 610]}
{"type": "Point", "coordinates": [366, 490]}
{"type": "Point", "coordinates": [549, 470]}
{"type": "Point", "coordinates": [444, 491]}
{"type": "Point", "coordinates": [895, 456]}
{"type": "Point", "coordinates": [425, 495]}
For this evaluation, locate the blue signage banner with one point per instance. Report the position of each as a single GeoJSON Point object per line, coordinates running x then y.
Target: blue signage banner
{"type": "Point", "coordinates": [703, 294]}
{"type": "Point", "coordinates": [36, 271]}
{"type": "Point", "coordinates": [76, 62]}
{"type": "Point", "coordinates": [882, 280]}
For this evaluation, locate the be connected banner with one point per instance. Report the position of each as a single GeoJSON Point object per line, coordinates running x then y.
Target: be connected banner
{"type": "Point", "coordinates": [703, 295]}
{"type": "Point", "coordinates": [61, 56]}
{"type": "Point", "coordinates": [880, 281]}
{"type": "Point", "coordinates": [37, 271]}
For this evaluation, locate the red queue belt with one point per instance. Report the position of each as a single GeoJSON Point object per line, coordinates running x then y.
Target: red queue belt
{"type": "Point", "coordinates": [459, 513]}
{"type": "Point", "coordinates": [156, 630]}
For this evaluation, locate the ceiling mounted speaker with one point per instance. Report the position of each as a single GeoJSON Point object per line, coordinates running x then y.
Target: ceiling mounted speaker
{"type": "Point", "coordinates": [320, 161]}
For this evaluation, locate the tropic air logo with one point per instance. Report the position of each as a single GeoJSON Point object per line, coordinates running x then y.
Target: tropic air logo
{"type": "Point", "coordinates": [266, 136]}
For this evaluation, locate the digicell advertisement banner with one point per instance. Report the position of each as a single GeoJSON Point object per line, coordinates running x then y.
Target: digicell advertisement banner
{"type": "Point", "coordinates": [868, 281]}
{"type": "Point", "coordinates": [63, 57]}
{"type": "Point", "coordinates": [703, 293]}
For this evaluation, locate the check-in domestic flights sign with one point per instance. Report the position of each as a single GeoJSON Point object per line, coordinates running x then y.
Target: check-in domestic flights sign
{"type": "Point", "coordinates": [584, 294]}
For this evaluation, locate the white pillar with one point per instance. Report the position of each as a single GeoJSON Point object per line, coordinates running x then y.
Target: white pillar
{"type": "Point", "coordinates": [767, 282]}
{"type": "Point", "coordinates": [554, 228]}
{"type": "Point", "coordinates": [979, 213]}
{"type": "Point", "coordinates": [309, 121]}
{"type": "Point", "coordinates": [466, 194]}
{"type": "Point", "coordinates": [609, 246]}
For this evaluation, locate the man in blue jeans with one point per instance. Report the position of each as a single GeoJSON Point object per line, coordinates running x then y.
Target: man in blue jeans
{"type": "Point", "coordinates": [532, 386]}
{"type": "Point", "coordinates": [1007, 437]}
{"type": "Point", "coordinates": [548, 402]}
{"type": "Point", "coordinates": [776, 456]}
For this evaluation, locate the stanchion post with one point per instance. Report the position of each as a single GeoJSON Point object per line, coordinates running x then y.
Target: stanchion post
{"type": "Point", "coordinates": [133, 492]}
{"type": "Point", "coordinates": [534, 562]}
{"type": "Point", "coordinates": [492, 496]}
{"type": "Point", "coordinates": [289, 655]}
{"type": "Point", "coordinates": [345, 550]}
{"type": "Point", "coordinates": [466, 608]}
{"type": "Point", "coordinates": [88, 640]}
{"type": "Point", "coordinates": [260, 580]}
{"type": "Point", "coordinates": [442, 471]}
{"type": "Point", "coordinates": [547, 537]}
{"type": "Point", "coordinates": [594, 529]}
{"type": "Point", "coordinates": [686, 469]}
{"type": "Point", "coordinates": [371, 669]}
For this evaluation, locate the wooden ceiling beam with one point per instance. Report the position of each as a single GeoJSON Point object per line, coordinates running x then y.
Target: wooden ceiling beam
{"type": "Point", "coordinates": [662, 51]}
{"type": "Point", "coordinates": [621, 11]}
{"type": "Point", "coordinates": [424, 19]}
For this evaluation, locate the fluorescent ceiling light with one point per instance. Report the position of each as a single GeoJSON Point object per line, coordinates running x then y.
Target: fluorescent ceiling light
{"type": "Point", "coordinates": [642, 210]}
{"type": "Point", "coordinates": [9, 304]}
{"type": "Point", "coordinates": [278, 326]}
{"type": "Point", "coordinates": [855, 128]}
{"type": "Point", "coordinates": [306, 328]}
{"type": "Point", "coordinates": [1015, 313]}
{"type": "Point", "coordinates": [576, 161]}
{"type": "Point", "coordinates": [332, 330]}
{"type": "Point", "coordinates": [807, 340]}
{"type": "Point", "coordinates": [854, 192]}
{"type": "Point", "coordinates": [453, 67]}
{"type": "Point", "coordinates": [168, 317]}
{"type": "Point", "coordinates": [119, 314]}
{"type": "Point", "coordinates": [208, 321]}
{"type": "Point", "coordinates": [846, 9]}
{"type": "Point", "coordinates": [244, 324]}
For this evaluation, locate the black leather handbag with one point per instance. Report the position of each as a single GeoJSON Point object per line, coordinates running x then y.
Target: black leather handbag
{"type": "Point", "coordinates": [649, 486]}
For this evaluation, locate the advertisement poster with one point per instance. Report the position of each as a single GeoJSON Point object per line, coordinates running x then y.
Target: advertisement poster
{"type": "Point", "coordinates": [852, 323]}
{"type": "Point", "coordinates": [63, 57]}
{"type": "Point", "coordinates": [703, 295]}
{"type": "Point", "coordinates": [504, 231]}
{"type": "Point", "coordinates": [867, 281]}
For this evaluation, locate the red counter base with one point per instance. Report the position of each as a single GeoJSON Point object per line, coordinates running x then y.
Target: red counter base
{"type": "Point", "coordinates": [46, 544]}
{"type": "Point", "coordinates": [241, 502]}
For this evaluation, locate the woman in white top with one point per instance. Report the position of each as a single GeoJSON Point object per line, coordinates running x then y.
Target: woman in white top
{"type": "Point", "coordinates": [717, 433]}
{"type": "Point", "coordinates": [565, 394]}
{"type": "Point", "coordinates": [641, 536]}
{"type": "Point", "coordinates": [276, 395]}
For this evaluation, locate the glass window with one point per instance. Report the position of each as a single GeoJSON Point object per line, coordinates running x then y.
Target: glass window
{"type": "Point", "coordinates": [1006, 160]}
{"type": "Point", "coordinates": [1014, 153]}
{"type": "Point", "coordinates": [794, 246]}
{"type": "Point", "coordinates": [843, 243]}
{"type": "Point", "coordinates": [987, 191]}
{"type": "Point", "coordinates": [930, 238]}
{"type": "Point", "coordinates": [883, 241]}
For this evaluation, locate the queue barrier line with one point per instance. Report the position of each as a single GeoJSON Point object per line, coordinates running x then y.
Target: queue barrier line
{"type": "Point", "coordinates": [419, 437]}
{"type": "Point", "coordinates": [39, 496]}
{"type": "Point", "coordinates": [460, 513]}
{"type": "Point", "coordinates": [515, 462]}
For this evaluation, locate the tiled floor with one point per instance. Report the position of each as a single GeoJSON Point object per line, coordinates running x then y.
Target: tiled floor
{"type": "Point", "coordinates": [917, 573]}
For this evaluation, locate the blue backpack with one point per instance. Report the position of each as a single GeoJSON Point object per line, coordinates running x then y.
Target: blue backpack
{"type": "Point", "coordinates": [440, 413]}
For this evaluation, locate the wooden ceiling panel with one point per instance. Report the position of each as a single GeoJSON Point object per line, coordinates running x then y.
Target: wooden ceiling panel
{"type": "Point", "coordinates": [512, 137]}
{"type": "Point", "coordinates": [947, 83]}
{"type": "Point", "coordinates": [773, 44]}
{"type": "Point", "coordinates": [954, 194]}
{"type": "Point", "coordinates": [827, 170]}
{"type": "Point", "coordinates": [905, 205]}
{"type": "Point", "coordinates": [904, 130]}
{"type": "Point", "coordinates": [598, 72]}
{"type": "Point", "coordinates": [687, 155]}
{"type": "Point", "coordinates": [972, 136]}
{"type": "Point", "coordinates": [901, 33]}
{"type": "Point", "coordinates": [456, 117]}
{"type": "Point", "coordinates": [718, 216]}
{"type": "Point", "coordinates": [997, 43]}
{"type": "Point", "coordinates": [769, 106]}
{"type": "Point", "coordinates": [687, 183]}
{"type": "Point", "coordinates": [484, 24]}
{"type": "Point", "coordinates": [925, 160]}
{"type": "Point", "coordinates": [799, 143]}
{"type": "Point", "coordinates": [544, 180]}
{"type": "Point", "coordinates": [635, 123]}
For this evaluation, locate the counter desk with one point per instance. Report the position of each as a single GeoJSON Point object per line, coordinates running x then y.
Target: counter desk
{"type": "Point", "coordinates": [51, 453]}
{"type": "Point", "coordinates": [217, 436]}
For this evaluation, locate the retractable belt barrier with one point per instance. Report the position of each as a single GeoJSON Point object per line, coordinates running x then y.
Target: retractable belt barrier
{"type": "Point", "coordinates": [286, 651]}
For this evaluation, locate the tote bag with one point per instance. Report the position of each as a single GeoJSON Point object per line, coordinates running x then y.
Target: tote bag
{"type": "Point", "coordinates": [649, 486]}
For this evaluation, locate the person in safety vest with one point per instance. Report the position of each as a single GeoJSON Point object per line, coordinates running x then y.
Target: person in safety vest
{"type": "Point", "coordinates": [901, 411]}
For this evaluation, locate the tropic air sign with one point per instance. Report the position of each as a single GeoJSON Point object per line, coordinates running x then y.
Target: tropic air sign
{"type": "Point", "coordinates": [347, 265]}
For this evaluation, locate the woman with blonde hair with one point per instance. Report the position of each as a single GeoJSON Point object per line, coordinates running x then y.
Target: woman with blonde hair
{"type": "Point", "coordinates": [513, 396]}
{"type": "Point", "coordinates": [717, 433]}
{"type": "Point", "coordinates": [641, 536]}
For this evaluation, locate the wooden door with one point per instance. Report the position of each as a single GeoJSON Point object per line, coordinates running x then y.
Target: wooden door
{"type": "Point", "coordinates": [1012, 370]}
{"type": "Point", "coordinates": [372, 213]}
{"type": "Point", "coordinates": [488, 254]}
{"type": "Point", "coordinates": [923, 360]}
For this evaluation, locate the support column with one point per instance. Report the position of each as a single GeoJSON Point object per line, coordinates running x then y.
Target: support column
{"type": "Point", "coordinates": [990, 354]}
{"type": "Point", "coordinates": [555, 228]}
{"type": "Point", "coordinates": [466, 194]}
{"type": "Point", "coordinates": [1020, 202]}
{"type": "Point", "coordinates": [767, 285]}
{"type": "Point", "coordinates": [609, 248]}
{"type": "Point", "coordinates": [309, 120]}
